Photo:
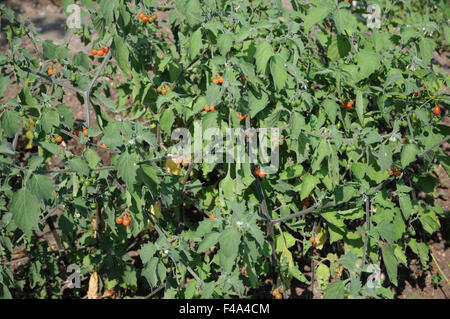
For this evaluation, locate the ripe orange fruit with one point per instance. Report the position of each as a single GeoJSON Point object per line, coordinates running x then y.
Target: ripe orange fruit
{"type": "Point", "coordinates": [437, 110]}
{"type": "Point", "coordinates": [58, 139]}
{"type": "Point", "coordinates": [221, 80]}
{"type": "Point", "coordinates": [94, 51]}
{"type": "Point", "coordinates": [145, 19]}
{"type": "Point", "coordinates": [141, 16]}
{"type": "Point", "coordinates": [126, 221]}
{"type": "Point", "coordinates": [119, 220]}
{"type": "Point", "coordinates": [215, 81]}
{"type": "Point", "coordinates": [103, 145]}
{"type": "Point", "coordinates": [404, 139]}
{"type": "Point", "coordinates": [212, 217]}
{"type": "Point", "coordinates": [50, 71]}
{"type": "Point", "coordinates": [416, 94]}
{"type": "Point", "coordinates": [106, 49]}
{"type": "Point", "coordinates": [261, 173]}
{"type": "Point", "coordinates": [281, 290]}
{"type": "Point", "coordinates": [278, 296]}
{"type": "Point", "coordinates": [206, 108]}
{"type": "Point", "coordinates": [212, 107]}
{"type": "Point", "coordinates": [312, 240]}
{"type": "Point", "coordinates": [100, 52]}
{"type": "Point", "coordinates": [85, 132]}
{"type": "Point", "coordinates": [244, 78]}
{"type": "Point", "coordinates": [164, 91]}
{"type": "Point", "coordinates": [274, 292]}
{"type": "Point", "coordinates": [130, 96]}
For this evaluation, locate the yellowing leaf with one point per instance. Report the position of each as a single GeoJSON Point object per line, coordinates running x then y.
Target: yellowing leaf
{"type": "Point", "coordinates": [93, 286]}
{"type": "Point", "coordinates": [155, 211]}
{"type": "Point", "coordinates": [321, 237]}
{"type": "Point", "coordinates": [173, 167]}
{"type": "Point", "coordinates": [29, 135]}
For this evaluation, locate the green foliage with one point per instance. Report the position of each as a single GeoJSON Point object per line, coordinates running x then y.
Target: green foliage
{"type": "Point", "coordinates": [203, 230]}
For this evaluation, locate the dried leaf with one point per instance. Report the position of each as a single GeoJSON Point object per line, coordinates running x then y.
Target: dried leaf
{"type": "Point", "coordinates": [93, 286]}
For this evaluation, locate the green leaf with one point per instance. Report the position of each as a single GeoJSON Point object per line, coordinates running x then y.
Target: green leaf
{"type": "Point", "coordinates": [316, 15]}
{"type": "Point", "coordinates": [257, 101]}
{"type": "Point", "coordinates": [4, 82]}
{"type": "Point", "coordinates": [167, 120]}
{"type": "Point", "coordinates": [25, 210]}
{"type": "Point", "coordinates": [150, 271]}
{"type": "Point", "coordinates": [308, 184]}
{"type": "Point", "coordinates": [126, 168]}
{"type": "Point", "coordinates": [10, 123]}
{"type": "Point", "coordinates": [49, 119]}
{"type": "Point", "coordinates": [41, 186]}
{"type": "Point", "coordinates": [344, 20]}
{"type": "Point", "coordinates": [229, 242]}
{"type": "Point", "coordinates": [225, 42]}
{"type": "Point", "coordinates": [335, 290]}
{"type": "Point", "coordinates": [359, 104]}
{"type": "Point", "coordinates": [405, 205]}
{"type": "Point", "coordinates": [264, 52]}
{"type": "Point", "coordinates": [79, 165]}
{"type": "Point", "coordinates": [92, 158]}
{"type": "Point", "coordinates": [331, 108]}
{"type": "Point", "coordinates": [391, 263]}
{"type": "Point", "coordinates": [120, 52]}
{"type": "Point", "coordinates": [278, 71]}
{"type": "Point", "coordinates": [209, 241]}
{"type": "Point", "coordinates": [195, 43]}
{"type": "Point", "coordinates": [409, 153]}
{"type": "Point", "coordinates": [426, 47]}
{"type": "Point", "coordinates": [368, 62]}
{"type": "Point", "coordinates": [147, 252]}
{"type": "Point", "coordinates": [385, 157]}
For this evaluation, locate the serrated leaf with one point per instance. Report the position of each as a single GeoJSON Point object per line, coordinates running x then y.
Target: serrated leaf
{"type": "Point", "coordinates": [409, 153]}
{"type": "Point", "coordinates": [126, 168]}
{"type": "Point", "coordinates": [25, 210]}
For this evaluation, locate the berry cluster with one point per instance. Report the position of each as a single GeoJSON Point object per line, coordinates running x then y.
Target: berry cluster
{"type": "Point", "coordinates": [207, 108]}
{"type": "Point", "coordinates": [100, 52]}
{"type": "Point", "coordinates": [124, 219]}
{"type": "Point", "coordinates": [145, 18]}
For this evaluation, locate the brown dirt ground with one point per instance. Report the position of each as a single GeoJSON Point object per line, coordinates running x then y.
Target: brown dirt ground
{"type": "Point", "coordinates": [49, 19]}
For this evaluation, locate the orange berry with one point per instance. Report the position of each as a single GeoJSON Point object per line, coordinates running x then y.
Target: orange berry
{"type": "Point", "coordinates": [312, 240]}
{"type": "Point", "coordinates": [130, 96]}
{"type": "Point", "coordinates": [119, 220]}
{"type": "Point", "coordinates": [215, 81]}
{"type": "Point", "coordinates": [261, 173]}
{"type": "Point", "coordinates": [274, 292]}
{"type": "Point", "coordinates": [437, 110]}
{"type": "Point", "coordinates": [126, 221]}
{"type": "Point", "coordinates": [278, 296]}
{"type": "Point", "coordinates": [145, 19]}
{"type": "Point", "coordinates": [85, 132]}
{"type": "Point", "coordinates": [244, 78]}
{"type": "Point", "coordinates": [100, 52]}
{"type": "Point", "coordinates": [404, 139]}
{"type": "Point", "coordinates": [212, 217]}
{"type": "Point", "coordinates": [212, 107]}
{"type": "Point", "coordinates": [221, 80]}
{"type": "Point", "coordinates": [106, 49]}
{"type": "Point", "coordinates": [141, 16]}
{"type": "Point", "coordinates": [94, 52]}
{"type": "Point", "coordinates": [206, 108]}
{"type": "Point", "coordinates": [416, 94]}
{"type": "Point", "coordinates": [103, 145]}
{"type": "Point", "coordinates": [58, 139]}
{"type": "Point", "coordinates": [50, 71]}
{"type": "Point", "coordinates": [281, 290]}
